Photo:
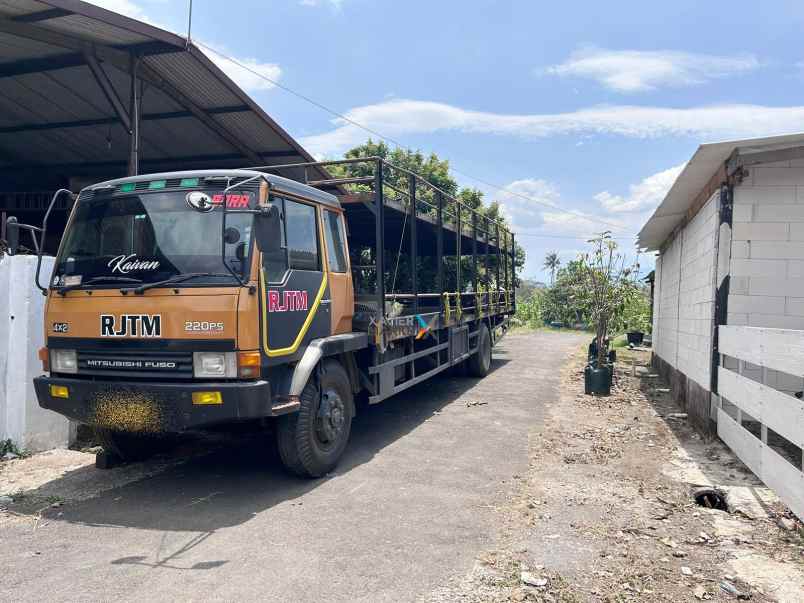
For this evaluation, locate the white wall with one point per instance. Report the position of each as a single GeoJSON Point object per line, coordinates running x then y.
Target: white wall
{"type": "Point", "coordinates": [767, 256]}
{"type": "Point", "coordinates": [684, 296]}
{"type": "Point", "coordinates": [21, 335]}
{"type": "Point", "coordinates": [666, 294]}
{"type": "Point", "coordinates": [697, 294]}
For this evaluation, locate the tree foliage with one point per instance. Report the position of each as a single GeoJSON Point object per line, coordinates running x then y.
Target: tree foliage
{"type": "Point", "coordinates": [435, 171]}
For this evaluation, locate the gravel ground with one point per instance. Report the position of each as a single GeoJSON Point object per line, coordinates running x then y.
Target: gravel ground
{"type": "Point", "coordinates": [605, 511]}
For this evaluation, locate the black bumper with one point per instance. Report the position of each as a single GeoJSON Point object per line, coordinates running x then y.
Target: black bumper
{"type": "Point", "coordinates": [156, 407]}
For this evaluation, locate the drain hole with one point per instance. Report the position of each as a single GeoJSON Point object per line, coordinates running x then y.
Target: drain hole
{"type": "Point", "coordinates": [711, 499]}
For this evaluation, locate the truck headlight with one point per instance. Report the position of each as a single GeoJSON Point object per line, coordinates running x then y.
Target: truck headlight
{"type": "Point", "coordinates": [215, 364]}
{"type": "Point", "coordinates": [63, 361]}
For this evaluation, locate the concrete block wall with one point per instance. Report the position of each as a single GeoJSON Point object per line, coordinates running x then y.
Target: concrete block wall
{"type": "Point", "coordinates": [697, 295]}
{"type": "Point", "coordinates": [684, 296]}
{"type": "Point", "coordinates": [767, 257]}
{"type": "Point", "coordinates": [656, 327]}
{"type": "Point", "coordinates": [665, 338]}
{"type": "Point", "coordinates": [21, 335]}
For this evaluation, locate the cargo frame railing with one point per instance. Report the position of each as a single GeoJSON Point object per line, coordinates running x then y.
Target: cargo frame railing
{"type": "Point", "coordinates": [449, 216]}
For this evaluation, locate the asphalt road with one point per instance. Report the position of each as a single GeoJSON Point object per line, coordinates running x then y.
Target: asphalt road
{"type": "Point", "coordinates": [409, 507]}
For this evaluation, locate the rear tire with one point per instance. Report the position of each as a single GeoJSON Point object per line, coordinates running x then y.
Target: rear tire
{"type": "Point", "coordinates": [479, 363]}
{"type": "Point", "coordinates": [129, 447]}
{"type": "Point", "coordinates": [312, 440]}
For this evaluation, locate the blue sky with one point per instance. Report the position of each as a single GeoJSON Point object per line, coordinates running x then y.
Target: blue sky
{"type": "Point", "coordinates": [582, 113]}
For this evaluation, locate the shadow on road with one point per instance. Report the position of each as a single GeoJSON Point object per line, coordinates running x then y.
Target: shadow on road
{"type": "Point", "coordinates": [230, 483]}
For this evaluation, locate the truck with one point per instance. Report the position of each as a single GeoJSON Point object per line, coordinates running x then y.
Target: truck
{"type": "Point", "coordinates": [200, 299]}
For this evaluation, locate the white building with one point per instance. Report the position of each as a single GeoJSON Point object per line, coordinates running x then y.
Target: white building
{"type": "Point", "coordinates": [728, 327]}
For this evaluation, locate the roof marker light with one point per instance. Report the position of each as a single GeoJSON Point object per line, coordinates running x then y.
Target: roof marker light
{"type": "Point", "coordinates": [128, 187]}
{"type": "Point", "coordinates": [157, 184]}
{"type": "Point", "coordinates": [189, 182]}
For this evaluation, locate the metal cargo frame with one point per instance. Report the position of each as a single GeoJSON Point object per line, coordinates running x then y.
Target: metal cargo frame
{"type": "Point", "coordinates": [440, 226]}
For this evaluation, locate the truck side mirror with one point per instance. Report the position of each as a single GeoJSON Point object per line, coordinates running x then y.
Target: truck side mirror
{"type": "Point", "coordinates": [13, 235]}
{"type": "Point", "coordinates": [268, 229]}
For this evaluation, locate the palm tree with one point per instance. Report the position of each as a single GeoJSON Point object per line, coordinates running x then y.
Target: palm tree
{"type": "Point", "coordinates": [551, 263]}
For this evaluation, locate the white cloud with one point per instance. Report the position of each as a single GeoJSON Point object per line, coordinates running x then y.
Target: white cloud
{"type": "Point", "coordinates": [245, 72]}
{"type": "Point", "coordinates": [644, 195]}
{"type": "Point", "coordinates": [400, 117]}
{"type": "Point", "coordinates": [522, 201]}
{"type": "Point", "coordinates": [639, 71]}
{"type": "Point", "coordinates": [336, 4]}
{"type": "Point", "coordinates": [128, 8]}
{"type": "Point", "coordinates": [527, 204]}
{"type": "Point", "coordinates": [542, 222]}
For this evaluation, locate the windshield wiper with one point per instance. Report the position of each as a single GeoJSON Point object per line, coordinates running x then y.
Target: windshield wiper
{"type": "Point", "coordinates": [97, 279]}
{"type": "Point", "coordinates": [174, 279]}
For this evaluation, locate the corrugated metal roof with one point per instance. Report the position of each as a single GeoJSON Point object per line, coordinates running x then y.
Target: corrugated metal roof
{"type": "Point", "coordinates": [55, 114]}
{"type": "Point", "coordinates": [705, 162]}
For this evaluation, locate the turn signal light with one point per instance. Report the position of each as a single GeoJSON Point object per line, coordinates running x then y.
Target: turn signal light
{"type": "Point", "coordinates": [59, 391]}
{"type": "Point", "coordinates": [248, 365]}
{"type": "Point", "coordinates": [44, 356]}
{"type": "Point", "coordinates": [205, 398]}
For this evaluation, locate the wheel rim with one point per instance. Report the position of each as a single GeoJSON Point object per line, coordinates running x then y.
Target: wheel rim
{"type": "Point", "coordinates": [331, 419]}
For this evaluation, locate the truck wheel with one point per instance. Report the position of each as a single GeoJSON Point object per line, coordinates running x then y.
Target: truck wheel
{"type": "Point", "coordinates": [480, 362]}
{"type": "Point", "coordinates": [312, 440]}
{"type": "Point", "coordinates": [128, 446]}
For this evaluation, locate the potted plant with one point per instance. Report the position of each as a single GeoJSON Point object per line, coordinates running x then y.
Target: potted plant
{"type": "Point", "coordinates": [608, 290]}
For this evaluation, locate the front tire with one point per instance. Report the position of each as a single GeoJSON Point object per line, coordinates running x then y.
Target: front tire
{"type": "Point", "coordinates": [312, 440]}
{"type": "Point", "coordinates": [480, 362]}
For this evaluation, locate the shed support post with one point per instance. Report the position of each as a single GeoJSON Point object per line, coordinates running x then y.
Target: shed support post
{"type": "Point", "coordinates": [379, 248]}
{"type": "Point", "coordinates": [134, 114]}
{"type": "Point", "coordinates": [414, 251]}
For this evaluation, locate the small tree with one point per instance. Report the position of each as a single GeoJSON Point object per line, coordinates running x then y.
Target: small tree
{"type": "Point", "coordinates": [607, 287]}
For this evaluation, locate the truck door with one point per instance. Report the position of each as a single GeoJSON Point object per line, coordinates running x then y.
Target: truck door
{"type": "Point", "coordinates": [339, 273]}
{"type": "Point", "coordinates": [294, 285]}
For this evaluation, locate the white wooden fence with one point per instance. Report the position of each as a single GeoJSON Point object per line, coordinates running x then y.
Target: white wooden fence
{"type": "Point", "coordinates": [759, 406]}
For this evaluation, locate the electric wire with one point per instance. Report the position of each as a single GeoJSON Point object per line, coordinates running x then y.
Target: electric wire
{"type": "Point", "coordinates": [396, 142]}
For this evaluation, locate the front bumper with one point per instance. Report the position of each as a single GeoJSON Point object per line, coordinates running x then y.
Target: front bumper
{"type": "Point", "coordinates": [156, 407]}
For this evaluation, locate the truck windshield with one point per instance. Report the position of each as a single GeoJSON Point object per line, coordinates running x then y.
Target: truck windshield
{"type": "Point", "coordinates": [149, 238]}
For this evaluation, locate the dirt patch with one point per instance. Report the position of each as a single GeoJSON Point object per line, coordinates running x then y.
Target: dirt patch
{"type": "Point", "coordinates": [607, 511]}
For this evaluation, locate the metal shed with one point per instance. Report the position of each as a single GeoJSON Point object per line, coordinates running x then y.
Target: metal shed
{"type": "Point", "coordinates": [88, 95]}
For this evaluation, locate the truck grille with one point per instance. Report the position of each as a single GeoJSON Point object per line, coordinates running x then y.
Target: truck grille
{"type": "Point", "coordinates": [136, 364]}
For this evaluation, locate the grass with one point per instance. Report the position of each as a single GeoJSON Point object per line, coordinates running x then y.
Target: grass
{"type": "Point", "coordinates": [7, 446]}
{"type": "Point", "coordinates": [621, 341]}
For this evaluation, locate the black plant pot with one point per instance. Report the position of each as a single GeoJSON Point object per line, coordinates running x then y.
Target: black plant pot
{"type": "Point", "coordinates": [600, 380]}
{"type": "Point", "coordinates": [635, 337]}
